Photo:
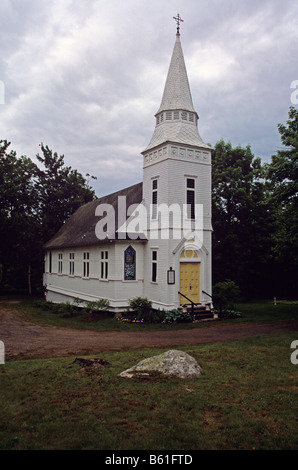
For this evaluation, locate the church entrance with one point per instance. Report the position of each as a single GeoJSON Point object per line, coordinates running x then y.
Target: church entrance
{"type": "Point", "coordinates": [190, 277]}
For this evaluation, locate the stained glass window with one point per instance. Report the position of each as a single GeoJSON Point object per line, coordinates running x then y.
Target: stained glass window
{"type": "Point", "coordinates": [129, 264]}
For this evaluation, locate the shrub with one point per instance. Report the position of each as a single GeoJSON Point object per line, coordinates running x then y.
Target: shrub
{"type": "Point", "coordinates": [67, 309]}
{"type": "Point", "coordinates": [177, 316]}
{"type": "Point", "coordinates": [101, 305]}
{"type": "Point", "coordinates": [44, 305]}
{"type": "Point", "coordinates": [231, 314]}
{"type": "Point", "coordinates": [225, 294]}
{"type": "Point", "coordinates": [142, 306]}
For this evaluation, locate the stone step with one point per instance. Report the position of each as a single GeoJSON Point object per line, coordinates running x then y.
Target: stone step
{"type": "Point", "coordinates": [200, 312]}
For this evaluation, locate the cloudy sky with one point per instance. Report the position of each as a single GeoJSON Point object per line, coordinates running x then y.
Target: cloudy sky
{"type": "Point", "coordinates": [86, 77]}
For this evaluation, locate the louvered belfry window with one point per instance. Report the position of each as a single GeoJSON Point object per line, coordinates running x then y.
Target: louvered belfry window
{"type": "Point", "coordinates": [190, 198]}
{"type": "Point", "coordinates": [154, 199]}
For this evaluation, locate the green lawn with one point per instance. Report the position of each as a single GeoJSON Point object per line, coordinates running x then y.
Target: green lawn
{"type": "Point", "coordinates": [252, 312]}
{"type": "Point", "coordinates": [246, 399]}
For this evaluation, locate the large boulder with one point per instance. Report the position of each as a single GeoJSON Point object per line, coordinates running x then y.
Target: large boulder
{"type": "Point", "coordinates": [173, 362]}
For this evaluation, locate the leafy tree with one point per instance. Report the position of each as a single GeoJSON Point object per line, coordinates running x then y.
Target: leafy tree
{"type": "Point", "coordinates": [241, 220]}
{"type": "Point", "coordinates": [283, 170]}
{"type": "Point", "coordinates": [61, 190]}
{"type": "Point", "coordinates": [282, 176]}
{"type": "Point", "coordinates": [18, 207]}
{"type": "Point", "coordinates": [225, 294]}
{"type": "Point", "coordinates": [34, 203]}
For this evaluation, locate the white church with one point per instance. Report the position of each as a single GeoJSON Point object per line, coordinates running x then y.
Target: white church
{"type": "Point", "coordinates": [153, 239]}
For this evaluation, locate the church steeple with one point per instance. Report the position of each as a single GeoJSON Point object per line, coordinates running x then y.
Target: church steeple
{"type": "Point", "coordinates": [177, 193]}
{"type": "Point", "coordinates": [177, 93]}
{"type": "Point", "coordinates": [176, 118]}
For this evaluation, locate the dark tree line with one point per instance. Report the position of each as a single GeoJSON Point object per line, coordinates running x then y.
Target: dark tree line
{"type": "Point", "coordinates": [34, 203]}
{"type": "Point", "coordinates": [255, 217]}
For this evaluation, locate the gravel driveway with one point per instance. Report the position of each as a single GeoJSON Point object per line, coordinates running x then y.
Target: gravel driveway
{"type": "Point", "coordinates": [24, 339]}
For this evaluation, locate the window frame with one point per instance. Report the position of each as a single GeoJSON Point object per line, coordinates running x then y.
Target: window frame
{"type": "Point", "coordinates": [104, 265]}
{"type": "Point", "coordinates": [191, 197]}
{"type": "Point", "coordinates": [154, 266]}
{"type": "Point", "coordinates": [154, 198]}
{"type": "Point", "coordinates": [71, 264]}
{"type": "Point", "coordinates": [60, 263]}
{"type": "Point", "coordinates": [130, 251]}
{"type": "Point", "coordinates": [86, 264]}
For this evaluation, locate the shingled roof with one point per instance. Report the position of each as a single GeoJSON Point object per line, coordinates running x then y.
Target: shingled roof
{"type": "Point", "coordinates": [79, 229]}
{"type": "Point", "coordinates": [176, 118]}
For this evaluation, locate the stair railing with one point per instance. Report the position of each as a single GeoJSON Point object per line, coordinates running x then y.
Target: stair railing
{"type": "Point", "coordinates": [204, 292]}
{"type": "Point", "coordinates": [192, 303]}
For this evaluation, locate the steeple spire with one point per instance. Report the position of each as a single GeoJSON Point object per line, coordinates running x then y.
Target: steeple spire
{"type": "Point", "coordinates": [177, 93]}
{"type": "Point", "coordinates": [176, 119]}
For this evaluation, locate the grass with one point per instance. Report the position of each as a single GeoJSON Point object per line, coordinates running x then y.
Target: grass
{"type": "Point", "coordinates": [245, 399]}
{"type": "Point", "coordinates": [251, 312]}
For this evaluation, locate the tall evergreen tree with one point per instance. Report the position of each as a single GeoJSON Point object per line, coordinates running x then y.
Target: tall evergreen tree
{"type": "Point", "coordinates": [282, 175]}
{"type": "Point", "coordinates": [34, 203]}
{"type": "Point", "coordinates": [241, 220]}
{"type": "Point", "coordinates": [61, 190]}
{"type": "Point", "coordinates": [18, 209]}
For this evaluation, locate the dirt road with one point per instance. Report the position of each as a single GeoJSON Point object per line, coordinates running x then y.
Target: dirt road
{"type": "Point", "coordinates": [23, 339]}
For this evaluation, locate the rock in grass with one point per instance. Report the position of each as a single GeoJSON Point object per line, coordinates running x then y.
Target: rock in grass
{"type": "Point", "coordinates": [171, 363]}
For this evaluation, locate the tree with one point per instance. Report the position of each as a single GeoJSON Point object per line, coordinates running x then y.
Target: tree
{"type": "Point", "coordinates": [241, 220]}
{"type": "Point", "coordinates": [18, 206]}
{"type": "Point", "coordinates": [283, 170]}
{"type": "Point", "coordinates": [282, 176]}
{"type": "Point", "coordinates": [34, 203]}
{"type": "Point", "coordinates": [61, 190]}
{"type": "Point", "coordinates": [225, 294]}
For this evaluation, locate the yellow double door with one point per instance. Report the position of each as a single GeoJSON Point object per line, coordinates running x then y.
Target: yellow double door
{"type": "Point", "coordinates": [190, 282]}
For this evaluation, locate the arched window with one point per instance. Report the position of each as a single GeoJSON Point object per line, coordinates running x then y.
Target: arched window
{"type": "Point", "coordinates": [129, 264]}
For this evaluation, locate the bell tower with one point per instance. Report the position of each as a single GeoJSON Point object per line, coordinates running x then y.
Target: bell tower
{"type": "Point", "coordinates": [177, 173]}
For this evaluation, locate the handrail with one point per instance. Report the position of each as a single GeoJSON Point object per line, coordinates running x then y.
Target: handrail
{"type": "Point", "coordinates": [187, 298]}
{"type": "Point", "coordinates": [192, 303]}
{"type": "Point", "coordinates": [207, 294]}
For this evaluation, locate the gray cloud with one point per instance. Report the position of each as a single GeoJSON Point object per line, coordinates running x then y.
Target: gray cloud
{"type": "Point", "coordinates": [86, 78]}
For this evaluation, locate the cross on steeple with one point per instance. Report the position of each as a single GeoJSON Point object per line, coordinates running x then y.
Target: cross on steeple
{"type": "Point", "coordinates": [178, 20]}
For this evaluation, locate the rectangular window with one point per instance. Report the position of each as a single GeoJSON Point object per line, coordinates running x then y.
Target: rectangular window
{"type": "Point", "coordinates": [71, 264]}
{"type": "Point", "coordinates": [86, 265]}
{"type": "Point", "coordinates": [60, 263]}
{"type": "Point", "coordinates": [154, 199]}
{"type": "Point", "coordinates": [104, 264]}
{"type": "Point", "coordinates": [154, 266]}
{"type": "Point", "coordinates": [190, 198]}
